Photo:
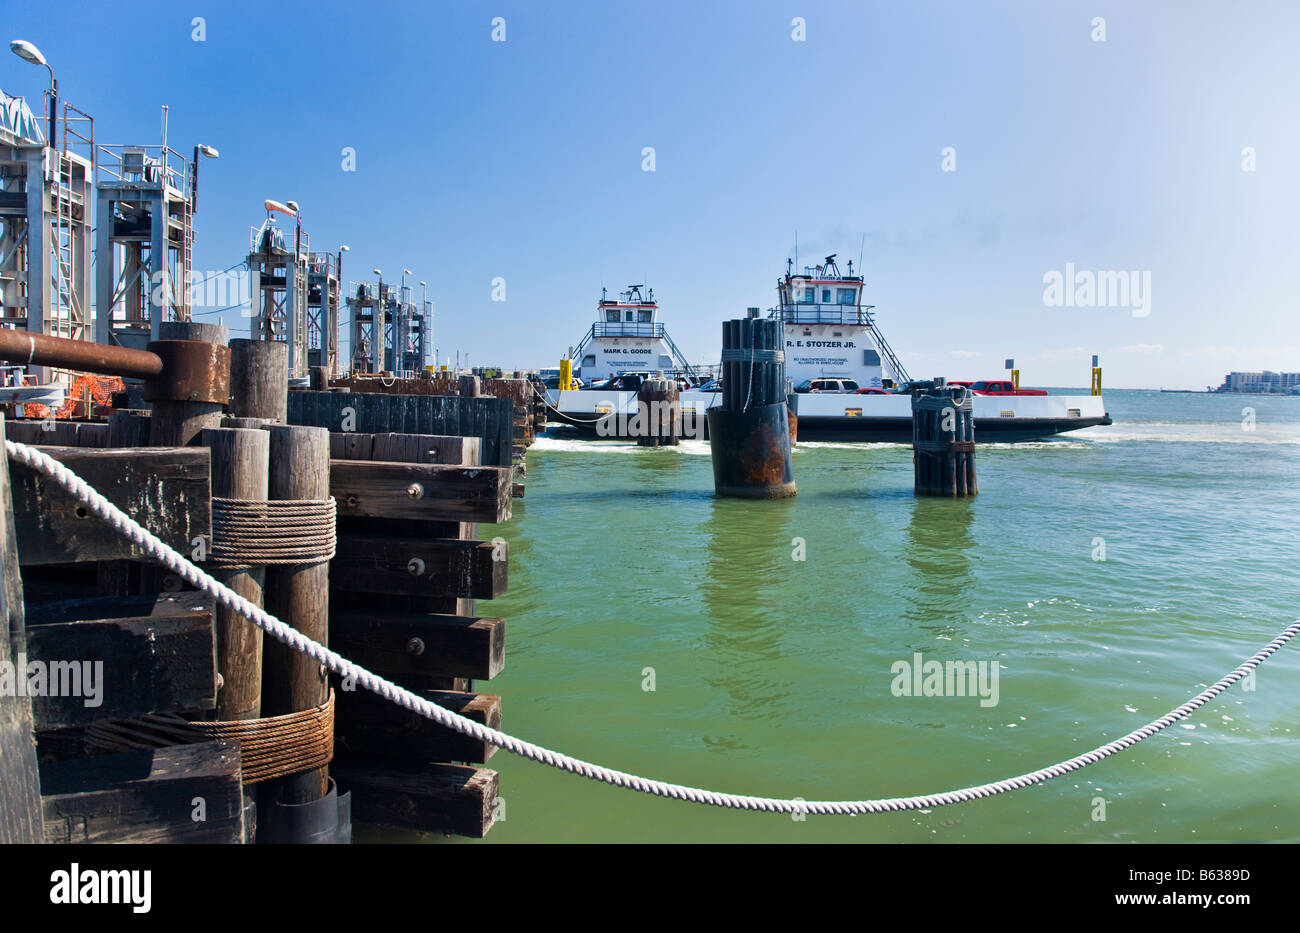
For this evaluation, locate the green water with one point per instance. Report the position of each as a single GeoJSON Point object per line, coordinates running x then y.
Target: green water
{"type": "Point", "coordinates": [772, 675]}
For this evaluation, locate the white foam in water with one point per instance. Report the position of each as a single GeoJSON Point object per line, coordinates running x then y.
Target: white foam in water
{"type": "Point", "coordinates": [1167, 432]}
{"type": "Point", "coordinates": [612, 446]}
{"type": "Point", "coordinates": [1191, 432]}
{"type": "Point", "coordinates": [844, 445]}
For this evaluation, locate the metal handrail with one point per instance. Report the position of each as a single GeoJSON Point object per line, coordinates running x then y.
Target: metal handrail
{"type": "Point", "coordinates": [173, 166]}
{"type": "Point", "coordinates": [626, 329]}
{"type": "Point", "coordinates": [79, 141]}
{"type": "Point", "coordinates": [821, 314]}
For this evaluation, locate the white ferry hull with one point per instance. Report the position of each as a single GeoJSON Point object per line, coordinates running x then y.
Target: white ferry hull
{"type": "Point", "coordinates": [886, 418]}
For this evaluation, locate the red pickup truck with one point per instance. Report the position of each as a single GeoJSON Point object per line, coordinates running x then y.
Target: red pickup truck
{"type": "Point", "coordinates": [1002, 387]}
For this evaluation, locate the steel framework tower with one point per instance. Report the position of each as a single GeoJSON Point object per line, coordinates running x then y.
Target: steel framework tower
{"type": "Point", "coordinates": [278, 263]}
{"type": "Point", "coordinates": [45, 224]}
{"type": "Point", "coordinates": [364, 307]}
{"type": "Point", "coordinates": [406, 337]}
{"type": "Point", "coordinates": [144, 242]}
{"type": "Point", "coordinates": [323, 293]}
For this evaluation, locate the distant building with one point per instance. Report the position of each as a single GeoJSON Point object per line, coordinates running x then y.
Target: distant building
{"type": "Point", "coordinates": [1263, 382]}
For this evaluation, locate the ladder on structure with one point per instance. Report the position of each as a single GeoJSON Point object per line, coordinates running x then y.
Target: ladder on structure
{"type": "Point", "coordinates": [900, 374]}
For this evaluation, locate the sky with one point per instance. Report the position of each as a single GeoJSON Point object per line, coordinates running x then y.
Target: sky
{"type": "Point", "coordinates": [524, 160]}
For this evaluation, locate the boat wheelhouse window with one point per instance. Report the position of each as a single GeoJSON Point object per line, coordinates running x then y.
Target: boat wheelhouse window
{"type": "Point", "coordinates": [809, 296]}
{"type": "Point", "coordinates": [826, 296]}
{"type": "Point", "coordinates": [643, 316]}
{"type": "Point", "coordinates": [847, 296]}
{"type": "Point", "coordinates": [611, 317]}
{"type": "Point", "coordinates": [629, 317]}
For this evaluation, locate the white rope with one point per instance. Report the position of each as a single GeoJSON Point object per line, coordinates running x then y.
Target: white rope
{"type": "Point", "coordinates": [402, 697]}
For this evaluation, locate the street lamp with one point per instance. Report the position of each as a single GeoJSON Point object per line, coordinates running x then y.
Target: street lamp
{"type": "Point", "coordinates": [297, 229]}
{"type": "Point", "coordinates": [377, 325]}
{"type": "Point", "coordinates": [426, 325]}
{"type": "Point", "coordinates": [30, 53]}
{"type": "Point", "coordinates": [207, 152]}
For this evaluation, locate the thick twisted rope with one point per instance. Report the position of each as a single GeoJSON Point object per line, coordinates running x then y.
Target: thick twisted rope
{"type": "Point", "coordinates": [351, 673]}
{"type": "Point", "coordinates": [263, 532]}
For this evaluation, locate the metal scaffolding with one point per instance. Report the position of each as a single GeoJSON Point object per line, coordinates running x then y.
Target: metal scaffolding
{"type": "Point", "coordinates": [278, 264]}
{"type": "Point", "coordinates": [404, 329]}
{"type": "Point", "coordinates": [363, 308]}
{"type": "Point", "coordinates": [323, 293]}
{"type": "Point", "coordinates": [144, 242]}
{"type": "Point", "coordinates": [45, 225]}
{"type": "Point", "coordinates": [406, 336]}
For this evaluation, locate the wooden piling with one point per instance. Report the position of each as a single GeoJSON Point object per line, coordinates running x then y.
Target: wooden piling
{"type": "Point", "coordinates": [749, 433]}
{"type": "Point", "coordinates": [298, 595]}
{"type": "Point", "coordinates": [259, 379]}
{"type": "Point", "coordinates": [659, 414]}
{"type": "Point", "coordinates": [239, 471]}
{"type": "Point", "coordinates": [20, 790]}
{"type": "Point", "coordinates": [943, 443]}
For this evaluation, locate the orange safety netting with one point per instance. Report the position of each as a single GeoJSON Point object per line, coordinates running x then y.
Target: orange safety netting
{"type": "Point", "coordinates": [85, 390]}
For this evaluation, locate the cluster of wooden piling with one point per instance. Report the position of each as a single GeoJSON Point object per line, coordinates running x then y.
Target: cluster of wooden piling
{"type": "Point", "coordinates": [659, 413]}
{"type": "Point", "coordinates": [749, 433]}
{"type": "Point", "coordinates": [194, 701]}
{"type": "Point", "coordinates": [943, 443]}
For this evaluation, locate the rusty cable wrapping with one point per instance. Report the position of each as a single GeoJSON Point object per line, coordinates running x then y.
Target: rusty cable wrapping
{"type": "Point", "coordinates": [257, 532]}
{"type": "Point", "coordinates": [273, 747]}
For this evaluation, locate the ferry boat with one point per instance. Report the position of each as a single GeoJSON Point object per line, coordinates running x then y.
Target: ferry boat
{"type": "Point", "coordinates": [628, 336]}
{"type": "Point", "coordinates": [831, 341]}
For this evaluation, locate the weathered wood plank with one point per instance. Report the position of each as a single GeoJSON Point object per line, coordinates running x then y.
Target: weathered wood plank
{"type": "Point", "coordinates": [366, 724]}
{"type": "Point", "coordinates": [349, 445]}
{"type": "Point", "coordinates": [20, 791]}
{"type": "Point", "coordinates": [416, 649]}
{"type": "Point", "coordinates": [424, 797]}
{"type": "Point", "coordinates": [420, 567]}
{"type": "Point", "coordinates": [130, 656]}
{"type": "Point", "coordinates": [430, 491]}
{"type": "Point", "coordinates": [146, 796]}
{"type": "Point", "coordinates": [488, 419]}
{"type": "Point", "coordinates": [451, 450]}
{"type": "Point", "coordinates": [165, 489]}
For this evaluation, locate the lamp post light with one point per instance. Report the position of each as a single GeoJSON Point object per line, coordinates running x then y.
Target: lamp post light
{"type": "Point", "coordinates": [297, 229]}
{"type": "Point", "coordinates": [426, 326]}
{"type": "Point", "coordinates": [208, 152]}
{"type": "Point", "coordinates": [30, 53]}
{"type": "Point", "coordinates": [377, 326]}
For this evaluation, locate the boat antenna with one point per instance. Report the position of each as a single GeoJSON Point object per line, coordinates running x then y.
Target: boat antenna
{"type": "Point", "coordinates": [861, 249]}
{"type": "Point", "coordinates": [796, 247]}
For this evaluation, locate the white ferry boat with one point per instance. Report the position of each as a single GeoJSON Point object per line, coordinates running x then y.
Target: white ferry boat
{"type": "Point", "coordinates": [847, 378]}
{"type": "Point", "coordinates": [628, 336]}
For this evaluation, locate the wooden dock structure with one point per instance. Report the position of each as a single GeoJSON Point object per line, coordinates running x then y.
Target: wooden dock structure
{"type": "Point", "coordinates": [351, 512]}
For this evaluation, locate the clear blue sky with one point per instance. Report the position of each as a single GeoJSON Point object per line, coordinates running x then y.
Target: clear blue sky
{"type": "Point", "coordinates": [522, 159]}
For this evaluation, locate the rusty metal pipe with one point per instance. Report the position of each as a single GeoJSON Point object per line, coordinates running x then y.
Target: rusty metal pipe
{"type": "Point", "coordinates": [18, 346]}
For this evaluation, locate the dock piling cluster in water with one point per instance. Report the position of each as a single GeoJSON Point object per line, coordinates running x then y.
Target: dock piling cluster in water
{"type": "Point", "coordinates": [659, 410]}
{"type": "Point", "coordinates": [943, 442]}
{"type": "Point", "coordinates": [749, 433]}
